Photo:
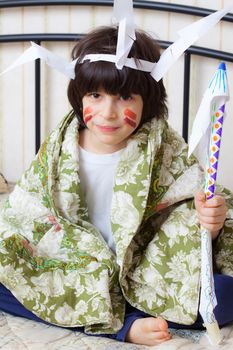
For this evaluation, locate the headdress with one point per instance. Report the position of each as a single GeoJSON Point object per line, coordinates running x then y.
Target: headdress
{"type": "Point", "coordinates": [123, 14]}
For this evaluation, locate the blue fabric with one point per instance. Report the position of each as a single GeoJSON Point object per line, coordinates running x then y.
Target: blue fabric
{"type": "Point", "coordinates": [223, 311]}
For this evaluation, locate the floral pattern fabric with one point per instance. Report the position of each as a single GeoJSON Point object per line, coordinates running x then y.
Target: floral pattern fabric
{"type": "Point", "coordinates": [57, 263]}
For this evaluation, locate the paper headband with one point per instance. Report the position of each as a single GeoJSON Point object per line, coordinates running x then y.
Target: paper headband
{"type": "Point", "coordinates": [123, 13]}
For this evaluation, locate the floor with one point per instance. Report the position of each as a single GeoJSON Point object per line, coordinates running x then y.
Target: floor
{"type": "Point", "coordinates": [21, 334]}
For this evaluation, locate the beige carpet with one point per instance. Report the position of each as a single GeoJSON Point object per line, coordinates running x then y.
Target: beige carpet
{"type": "Point", "coordinates": [20, 334]}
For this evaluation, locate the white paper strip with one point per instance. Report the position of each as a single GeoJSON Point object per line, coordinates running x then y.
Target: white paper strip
{"type": "Point", "coordinates": [123, 13]}
{"type": "Point", "coordinates": [142, 65]}
{"type": "Point", "coordinates": [188, 36]}
{"type": "Point", "coordinates": [123, 9]}
{"type": "Point", "coordinates": [54, 61]}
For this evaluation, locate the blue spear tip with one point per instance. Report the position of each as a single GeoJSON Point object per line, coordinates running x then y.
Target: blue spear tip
{"type": "Point", "coordinates": [222, 66]}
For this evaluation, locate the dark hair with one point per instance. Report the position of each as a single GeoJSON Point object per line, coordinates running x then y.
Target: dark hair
{"type": "Point", "coordinates": [89, 77]}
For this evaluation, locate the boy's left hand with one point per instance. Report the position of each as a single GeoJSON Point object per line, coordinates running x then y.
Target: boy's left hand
{"type": "Point", "coordinates": [211, 213]}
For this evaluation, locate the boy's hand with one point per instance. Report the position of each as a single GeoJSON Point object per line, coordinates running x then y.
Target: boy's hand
{"type": "Point", "coordinates": [211, 213]}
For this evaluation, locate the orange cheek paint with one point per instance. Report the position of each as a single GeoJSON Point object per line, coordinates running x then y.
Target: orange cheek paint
{"type": "Point", "coordinates": [130, 122]}
{"type": "Point", "coordinates": [130, 114]}
{"type": "Point", "coordinates": [86, 114]}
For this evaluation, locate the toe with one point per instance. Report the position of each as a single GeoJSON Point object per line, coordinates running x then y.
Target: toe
{"type": "Point", "coordinates": [152, 324]}
{"type": "Point", "coordinates": [160, 324]}
{"type": "Point", "coordinates": [160, 337]}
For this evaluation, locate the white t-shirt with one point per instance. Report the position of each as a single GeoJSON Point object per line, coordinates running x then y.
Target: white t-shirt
{"type": "Point", "coordinates": [97, 174]}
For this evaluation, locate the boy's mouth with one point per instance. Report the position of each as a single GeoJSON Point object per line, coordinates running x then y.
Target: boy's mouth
{"type": "Point", "coordinates": [107, 128]}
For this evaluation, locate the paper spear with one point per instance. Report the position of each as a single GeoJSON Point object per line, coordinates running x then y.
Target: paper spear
{"type": "Point", "coordinates": [207, 132]}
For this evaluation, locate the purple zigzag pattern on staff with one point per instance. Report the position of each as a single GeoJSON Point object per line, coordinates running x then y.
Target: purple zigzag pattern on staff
{"type": "Point", "coordinates": [222, 108]}
{"type": "Point", "coordinates": [211, 188]}
{"type": "Point", "coordinates": [216, 154]}
{"type": "Point", "coordinates": [220, 120]}
{"type": "Point", "coordinates": [214, 176]}
{"type": "Point", "coordinates": [214, 166]}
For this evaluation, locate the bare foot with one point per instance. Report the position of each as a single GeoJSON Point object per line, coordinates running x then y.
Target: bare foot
{"type": "Point", "coordinates": [148, 331]}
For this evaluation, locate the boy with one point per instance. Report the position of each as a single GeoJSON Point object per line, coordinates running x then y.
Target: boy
{"type": "Point", "coordinates": [102, 231]}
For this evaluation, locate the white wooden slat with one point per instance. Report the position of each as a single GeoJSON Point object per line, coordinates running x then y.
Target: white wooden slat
{"type": "Point", "coordinates": [11, 115]}
{"type": "Point", "coordinates": [81, 19]}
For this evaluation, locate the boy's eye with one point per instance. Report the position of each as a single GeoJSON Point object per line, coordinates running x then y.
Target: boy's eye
{"type": "Point", "coordinates": [94, 95]}
{"type": "Point", "coordinates": [126, 97]}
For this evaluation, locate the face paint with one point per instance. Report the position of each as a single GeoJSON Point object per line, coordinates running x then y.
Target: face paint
{"type": "Point", "coordinates": [130, 122]}
{"type": "Point", "coordinates": [87, 119]}
{"type": "Point", "coordinates": [87, 110]}
{"type": "Point", "coordinates": [130, 114]}
{"type": "Point", "coordinates": [86, 114]}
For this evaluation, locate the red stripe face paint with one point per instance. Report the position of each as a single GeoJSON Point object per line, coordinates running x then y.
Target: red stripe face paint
{"type": "Point", "coordinates": [87, 119]}
{"type": "Point", "coordinates": [130, 122]}
{"type": "Point", "coordinates": [130, 114]}
{"type": "Point", "coordinates": [86, 114]}
{"type": "Point", "coordinates": [87, 110]}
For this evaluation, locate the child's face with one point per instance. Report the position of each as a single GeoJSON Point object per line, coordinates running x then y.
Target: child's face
{"type": "Point", "coordinates": [110, 119]}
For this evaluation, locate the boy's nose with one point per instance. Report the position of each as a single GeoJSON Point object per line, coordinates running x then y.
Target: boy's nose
{"type": "Point", "coordinates": [109, 109]}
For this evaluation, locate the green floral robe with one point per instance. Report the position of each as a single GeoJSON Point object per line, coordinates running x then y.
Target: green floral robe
{"type": "Point", "coordinates": [57, 264]}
